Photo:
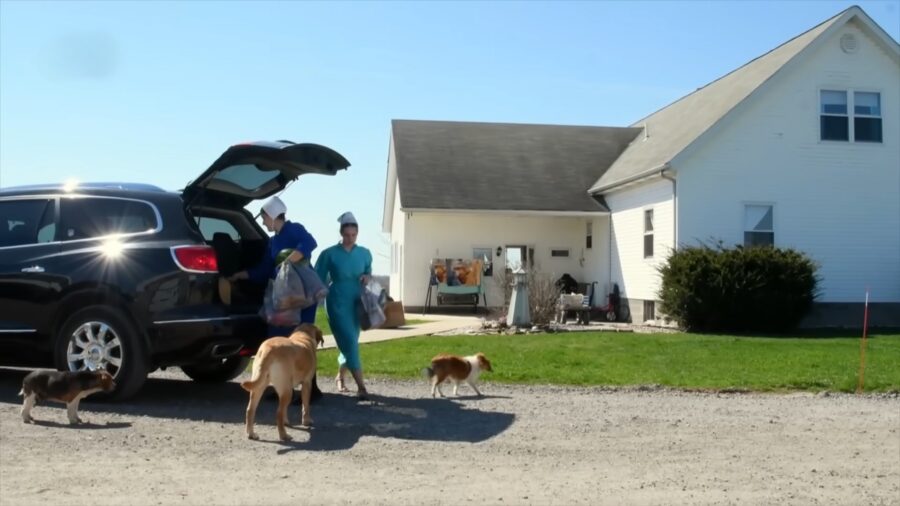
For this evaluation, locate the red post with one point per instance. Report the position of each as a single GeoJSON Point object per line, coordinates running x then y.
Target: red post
{"type": "Point", "coordinates": [862, 346]}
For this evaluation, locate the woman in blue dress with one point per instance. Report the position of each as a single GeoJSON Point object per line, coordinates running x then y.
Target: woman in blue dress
{"type": "Point", "coordinates": [345, 268]}
{"type": "Point", "coordinates": [288, 235]}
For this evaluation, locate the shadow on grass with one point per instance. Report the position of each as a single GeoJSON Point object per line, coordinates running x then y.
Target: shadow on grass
{"type": "Point", "coordinates": [824, 333]}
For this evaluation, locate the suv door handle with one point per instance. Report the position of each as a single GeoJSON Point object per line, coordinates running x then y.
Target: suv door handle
{"type": "Point", "coordinates": [34, 268]}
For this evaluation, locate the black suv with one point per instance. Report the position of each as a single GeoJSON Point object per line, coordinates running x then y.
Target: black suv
{"type": "Point", "coordinates": [131, 278]}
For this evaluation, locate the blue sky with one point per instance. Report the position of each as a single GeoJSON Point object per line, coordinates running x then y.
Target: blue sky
{"type": "Point", "coordinates": [154, 91]}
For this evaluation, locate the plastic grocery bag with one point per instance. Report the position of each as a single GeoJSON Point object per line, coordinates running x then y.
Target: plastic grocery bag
{"type": "Point", "coordinates": [275, 317]}
{"type": "Point", "coordinates": [372, 299]}
{"type": "Point", "coordinates": [296, 287]}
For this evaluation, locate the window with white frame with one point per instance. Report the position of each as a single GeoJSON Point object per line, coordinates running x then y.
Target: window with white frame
{"type": "Point", "coordinates": [559, 252]}
{"type": "Point", "coordinates": [589, 235]}
{"type": "Point", "coordinates": [648, 233]}
{"type": "Point", "coordinates": [759, 227]}
{"type": "Point", "coordinates": [649, 310]}
{"type": "Point", "coordinates": [866, 116]}
{"type": "Point", "coordinates": [846, 116]}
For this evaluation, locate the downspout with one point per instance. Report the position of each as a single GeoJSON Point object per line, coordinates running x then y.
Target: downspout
{"type": "Point", "coordinates": [674, 207]}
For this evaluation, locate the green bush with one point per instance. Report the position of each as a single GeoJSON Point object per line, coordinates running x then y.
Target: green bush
{"type": "Point", "coordinates": [738, 289]}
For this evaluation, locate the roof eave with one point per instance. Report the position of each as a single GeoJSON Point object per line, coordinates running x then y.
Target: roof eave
{"type": "Point", "coordinates": [600, 189]}
{"type": "Point", "coordinates": [520, 212]}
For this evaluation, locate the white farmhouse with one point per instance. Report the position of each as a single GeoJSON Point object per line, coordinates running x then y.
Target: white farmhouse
{"type": "Point", "coordinates": [800, 148]}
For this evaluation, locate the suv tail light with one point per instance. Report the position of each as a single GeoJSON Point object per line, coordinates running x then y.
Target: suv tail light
{"type": "Point", "coordinates": [195, 258]}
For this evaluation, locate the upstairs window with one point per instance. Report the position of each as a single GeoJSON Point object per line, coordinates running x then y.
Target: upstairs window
{"type": "Point", "coordinates": [834, 121]}
{"type": "Point", "coordinates": [850, 116]}
{"type": "Point", "coordinates": [866, 116]}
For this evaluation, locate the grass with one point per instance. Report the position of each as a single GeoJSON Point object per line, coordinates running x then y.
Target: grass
{"type": "Point", "coordinates": [690, 361]}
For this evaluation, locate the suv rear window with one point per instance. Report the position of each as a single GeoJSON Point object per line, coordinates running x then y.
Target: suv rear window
{"type": "Point", "coordinates": [84, 218]}
{"type": "Point", "coordinates": [27, 221]}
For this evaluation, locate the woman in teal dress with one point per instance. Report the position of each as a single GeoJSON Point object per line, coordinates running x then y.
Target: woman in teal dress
{"type": "Point", "coordinates": [345, 268]}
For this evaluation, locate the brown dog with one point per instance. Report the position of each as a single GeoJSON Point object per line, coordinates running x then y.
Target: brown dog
{"type": "Point", "coordinates": [66, 387]}
{"type": "Point", "coordinates": [458, 369]}
{"type": "Point", "coordinates": [284, 362]}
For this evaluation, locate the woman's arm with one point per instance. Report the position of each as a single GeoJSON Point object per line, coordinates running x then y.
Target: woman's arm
{"type": "Point", "coordinates": [367, 269]}
{"type": "Point", "coordinates": [323, 266]}
{"type": "Point", "coordinates": [304, 242]}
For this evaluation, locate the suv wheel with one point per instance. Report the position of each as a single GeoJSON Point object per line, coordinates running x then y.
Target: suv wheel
{"type": "Point", "coordinates": [100, 337]}
{"type": "Point", "coordinates": [217, 371]}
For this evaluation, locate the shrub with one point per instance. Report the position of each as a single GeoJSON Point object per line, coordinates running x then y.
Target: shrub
{"type": "Point", "coordinates": [713, 288]}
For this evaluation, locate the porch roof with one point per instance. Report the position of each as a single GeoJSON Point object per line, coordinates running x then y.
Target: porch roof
{"type": "Point", "coordinates": [445, 165]}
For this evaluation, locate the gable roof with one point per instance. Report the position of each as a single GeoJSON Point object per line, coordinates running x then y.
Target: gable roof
{"type": "Point", "coordinates": [672, 129]}
{"type": "Point", "coordinates": [501, 166]}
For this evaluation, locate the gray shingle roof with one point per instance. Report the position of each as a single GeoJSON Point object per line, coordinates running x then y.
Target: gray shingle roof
{"type": "Point", "coordinates": [674, 127]}
{"type": "Point", "coordinates": [502, 166]}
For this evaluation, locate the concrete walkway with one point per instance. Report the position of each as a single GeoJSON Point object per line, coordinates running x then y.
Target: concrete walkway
{"type": "Point", "coordinates": [435, 324]}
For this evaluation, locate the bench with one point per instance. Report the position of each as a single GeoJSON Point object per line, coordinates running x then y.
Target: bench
{"type": "Point", "coordinates": [578, 303]}
{"type": "Point", "coordinates": [456, 282]}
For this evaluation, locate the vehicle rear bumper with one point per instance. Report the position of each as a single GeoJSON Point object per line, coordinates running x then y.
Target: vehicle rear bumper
{"type": "Point", "coordinates": [189, 340]}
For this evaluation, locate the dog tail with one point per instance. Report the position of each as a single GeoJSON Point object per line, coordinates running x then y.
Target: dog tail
{"type": "Point", "coordinates": [258, 374]}
{"type": "Point", "coordinates": [428, 372]}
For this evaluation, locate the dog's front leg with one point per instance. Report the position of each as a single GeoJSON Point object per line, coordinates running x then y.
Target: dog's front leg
{"type": "Point", "coordinates": [26, 408]}
{"type": "Point", "coordinates": [72, 408]}
{"type": "Point", "coordinates": [284, 400]}
{"type": "Point", "coordinates": [305, 397]}
{"type": "Point", "coordinates": [472, 384]}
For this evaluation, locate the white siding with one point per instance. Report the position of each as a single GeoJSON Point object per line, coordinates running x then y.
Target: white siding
{"type": "Point", "coordinates": [398, 238]}
{"type": "Point", "coordinates": [453, 235]}
{"type": "Point", "coordinates": [837, 201]}
{"type": "Point", "coordinates": [597, 260]}
{"type": "Point", "coordinates": [637, 276]}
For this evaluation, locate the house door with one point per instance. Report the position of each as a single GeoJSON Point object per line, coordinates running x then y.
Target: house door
{"type": "Point", "coordinates": [519, 256]}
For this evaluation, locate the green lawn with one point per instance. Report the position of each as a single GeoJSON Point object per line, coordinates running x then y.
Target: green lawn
{"type": "Point", "coordinates": [691, 361]}
{"type": "Point", "coordinates": [322, 321]}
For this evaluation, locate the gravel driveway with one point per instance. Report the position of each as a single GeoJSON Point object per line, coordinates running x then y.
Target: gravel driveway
{"type": "Point", "coordinates": [180, 442]}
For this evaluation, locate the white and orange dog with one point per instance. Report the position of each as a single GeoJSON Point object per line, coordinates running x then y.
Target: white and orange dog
{"type": "Point", "coordinates": [458, 369]}
{"type": "Point", "coordinates": [284, 362]}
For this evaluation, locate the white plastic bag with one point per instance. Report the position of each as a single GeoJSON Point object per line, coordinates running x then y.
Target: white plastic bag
{"type": "Point", "coordinates": [275, 317]}
{"type": "Point", "coordinates": [372, 299]}
{"type": "Point", "coordinates": [296, 287]}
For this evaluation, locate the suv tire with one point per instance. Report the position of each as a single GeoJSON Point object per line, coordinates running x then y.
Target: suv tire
{"type": "Point", "coordinates": [103, 337]}
{"type": "Point", "coordinates": [217, 371]}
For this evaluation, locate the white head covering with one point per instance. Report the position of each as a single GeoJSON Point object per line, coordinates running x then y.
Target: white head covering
{"type": "Point", "coordinates": [274, 207]}
{"type": "Point", "coordinates": [347, 219]}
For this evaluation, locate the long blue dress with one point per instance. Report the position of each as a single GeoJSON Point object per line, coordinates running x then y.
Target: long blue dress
{"type": "Point", "coordinates": [343, 269]}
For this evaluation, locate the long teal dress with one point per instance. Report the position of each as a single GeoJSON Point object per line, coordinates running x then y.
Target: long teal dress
{"type": "Point", "coordinates": [342, 269]}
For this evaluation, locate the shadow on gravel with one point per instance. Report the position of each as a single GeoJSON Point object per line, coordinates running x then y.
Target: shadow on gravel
{"type": "Point", "coordinates": [339, 420]}
{"type": "Point", "coordinates": [87, 425]}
